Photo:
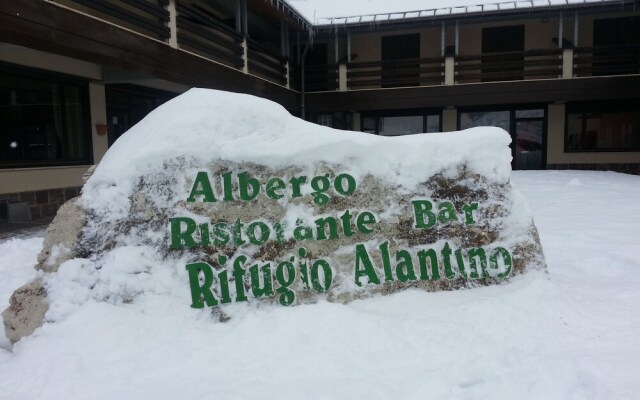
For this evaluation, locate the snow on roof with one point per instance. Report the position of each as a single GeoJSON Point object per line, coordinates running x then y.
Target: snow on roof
{"type": "Point", "coordinates": [339, 12]}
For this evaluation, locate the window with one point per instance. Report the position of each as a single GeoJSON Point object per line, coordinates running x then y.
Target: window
{"type": "Point", "coordinates": [526, 127]}
{"type": "Point", "coordinates": [44, 120]}
{"type": "Point", "coordinates": [128, 104]}
{"type": "Point", "coordinates": [614, 40]}
{"type": "Point", "coordinates": [394, 124]}
{"type": "Point", "coordinates": [325, 120]}
{"type": "Point", "coordinates": [603, 127]}
{"type": "Point", "coordinates": [502, 48]}
{"type": "Point", "coordinates": [400, 60]}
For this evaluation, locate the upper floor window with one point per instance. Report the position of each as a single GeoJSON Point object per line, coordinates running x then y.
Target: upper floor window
{"type": "Point", "coordinates": [502, 53]}
{"type": "Point", "coordinates": [603, 127]}
{"type": "Point", "coordinates": [44, 120]}
{"type": "Point", "coordinates": [401, 60]}
{"type": "Point", "coordinates": [616, 44]}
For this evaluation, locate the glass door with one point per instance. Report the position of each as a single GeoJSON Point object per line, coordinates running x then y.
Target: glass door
{"type": "Point", "coordinates": [527, 137]}
{"type": "Point", "coordinates": [526, 127]}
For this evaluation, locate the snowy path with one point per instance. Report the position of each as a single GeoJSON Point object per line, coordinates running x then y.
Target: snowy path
{"type": "Point", "coordinates": [571, 335]}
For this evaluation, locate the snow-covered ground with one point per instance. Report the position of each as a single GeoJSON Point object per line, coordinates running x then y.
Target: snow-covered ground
{"type": "Point", "coordinates": [573, 334]}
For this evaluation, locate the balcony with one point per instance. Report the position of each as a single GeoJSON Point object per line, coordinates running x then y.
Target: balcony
{"type": "Point", "coordinates": [197, 27]}
{"type": "Point", "coordinates": [205, 29]}
{"type": "Point", "coordinates": [479, 68]}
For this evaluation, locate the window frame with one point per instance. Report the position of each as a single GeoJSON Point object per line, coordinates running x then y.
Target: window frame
{"type": "Point", "coordinates": [401, 113]}
{"type": "Point", "coordinates": [585, 107]}
{"type": "Point", "coordinates": [82, 84]}
{"type": "Point", "coordinates": [512, 109]}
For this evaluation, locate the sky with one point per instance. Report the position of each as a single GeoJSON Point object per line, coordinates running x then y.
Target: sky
{"type": "Point", "coordinates": [317, 11]}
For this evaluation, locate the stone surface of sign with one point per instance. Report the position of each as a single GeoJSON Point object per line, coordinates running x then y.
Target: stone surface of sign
{"type": "Point", "coordinates": [219, 198]}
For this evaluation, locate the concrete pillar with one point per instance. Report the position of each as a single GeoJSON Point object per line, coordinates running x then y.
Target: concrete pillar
{"type": "Point", "coordinates": [245, 55]}
{"type": "Point", "coordinates": [356, 122]}
{"type": "Point", "coordinates": [98, 104]}
{"type": "Point", "coordinates": [173, 24]}
{"type": "Point", "coordinates": [555, 133]}
{"type": "Point", "coordinates": [288, 75]}
{"type": "Point", "coordinates": [449, 120]}
{"type": "Point", "coordinates": [342, 77]}
{"type": "Point", "coordinates": [449, 71]}
{"type": "Point", "coordinates": [567, 63]}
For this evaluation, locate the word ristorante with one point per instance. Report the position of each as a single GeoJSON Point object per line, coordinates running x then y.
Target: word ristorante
{"type": "Point", "coordinates": [212, 288]}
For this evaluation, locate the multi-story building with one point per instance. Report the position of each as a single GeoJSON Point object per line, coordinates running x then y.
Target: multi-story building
{"type": "Point", "coordinates": [561, 76]}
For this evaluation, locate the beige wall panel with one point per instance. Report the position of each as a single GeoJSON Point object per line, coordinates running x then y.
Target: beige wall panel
{"type": "Point", "coordinates": [449, 120]}
{"type": "Point", "coordinates": [537, 34]}
{"type": "Point", "coordinates": [98, 103]}
{"type": "Point", "coordinates": [430, 43]}
{"type": "Point", "coordinates": [368, 45]}
{"type": "Point", "coordinates": [47, 61]}
{"type": "Point", "coordinates": [31, 179]}
{"type": "Point", "coordinates": [555, 145]}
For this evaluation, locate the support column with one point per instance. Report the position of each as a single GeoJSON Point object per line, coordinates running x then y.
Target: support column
{"type": "Point", "coordinates": [245, 55]}
{"type": "Point", "coordinates": [449, 70]}
{"type": "Point", "coordinates": [173, 24]}
{"type": "Point", "coordinates": [449, 120]}
{"type": "Point", "coordinates": [443, 30]}
{"type": "Point", "coordinates": [567, 63]}
{"type": "Point", "coordinates": [98, 106]}
{"type": "Point", "coordinates": [342, 78]}
{"type": "Point", "coordinates": [288, 76]}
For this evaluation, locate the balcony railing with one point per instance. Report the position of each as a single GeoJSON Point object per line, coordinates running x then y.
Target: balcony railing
{"type": "Point", "coordinates": [406, 72]}
{"type": "Point", "coordinates": [610, 60]}
{"type": "Point", "coordinates": [509, 66]}
{"type": "Point", "coordinates": [201, 34]}
{"type": "Point", "coordinates": [320, 78]}
{"type": "Point", "coordinates": [266, 64]}
{"type": "Point", "coordinates": [198, 29]}
{"type": "Point", "coordinates": [148, 17]}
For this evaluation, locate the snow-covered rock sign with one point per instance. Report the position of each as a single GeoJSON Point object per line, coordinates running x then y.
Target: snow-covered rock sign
{"type": "Point", "coordinates": [219, 198]}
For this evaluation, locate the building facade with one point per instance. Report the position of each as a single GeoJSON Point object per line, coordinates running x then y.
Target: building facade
{"type": "Point", "coordinates": [563, 78]}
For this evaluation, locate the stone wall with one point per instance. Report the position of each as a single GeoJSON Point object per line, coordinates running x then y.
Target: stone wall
{"type": "Point", "coordinates": [42, 203]}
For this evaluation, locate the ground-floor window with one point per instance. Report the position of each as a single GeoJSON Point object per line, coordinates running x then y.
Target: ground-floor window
{"type": "Point", "coordinates": [44, 119]}
{"type": "Point", "coordinates": [525, 125]}
{"type": "Point", "coordinates": [603, 126]}
{"type": "Point", "coordinates": [128, 104]}
{"type": "Point", "coordinates": [400, 123]}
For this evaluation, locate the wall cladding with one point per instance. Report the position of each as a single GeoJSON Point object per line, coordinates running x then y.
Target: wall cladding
{"type": "Point", "coordinates": [42, 203]}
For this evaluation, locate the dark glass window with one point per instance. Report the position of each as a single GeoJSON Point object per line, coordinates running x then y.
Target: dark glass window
{"type": "Point", "coordinates": [398, 124]}
{"type": "Point", "coordinates": [400, 60]}
{"type": "Point", "coordinates": [128, 104]}
{"type": "Point", "coordinates": [603, 128]}
{"type": "Point", "coordinates": [526, 127]}
{"type": "Point", "coordinates": [44, 121]}
{"type": "Point", "coordinates": [325, 120]}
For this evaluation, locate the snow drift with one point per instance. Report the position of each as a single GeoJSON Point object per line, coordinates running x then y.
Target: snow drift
{"type": "Point", "coordinates": [203, 202]}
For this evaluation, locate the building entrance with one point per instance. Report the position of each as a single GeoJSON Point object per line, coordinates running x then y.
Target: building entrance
{"type": "Point", "coordinates": [526, 127]}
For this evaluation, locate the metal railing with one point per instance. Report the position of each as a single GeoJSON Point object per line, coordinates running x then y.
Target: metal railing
{"type": "Point", "coordinates": [606, 60]}
{"type": "Point", "coordinates": [320, 77]}
{"type": "Point", "coordinates": [264, 63]}
{"type": "Point", "coordinates": [148, 17]}
{"type": "Point", "coordinates": [396, 73]}
{"type": "Point", "coordinates": [198, 32]}
{"type": "Point", "coordinates": [509, 66]}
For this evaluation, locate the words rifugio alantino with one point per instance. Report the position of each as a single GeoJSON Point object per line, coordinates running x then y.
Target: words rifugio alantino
{"type": "Point", "coordinates": [239, 279]}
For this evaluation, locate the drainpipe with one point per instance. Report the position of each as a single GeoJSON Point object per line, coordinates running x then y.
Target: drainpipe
{"type": "Point", "coordinates": [304, 53]}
